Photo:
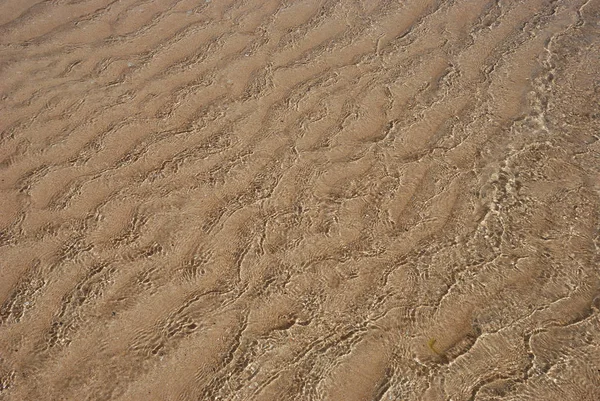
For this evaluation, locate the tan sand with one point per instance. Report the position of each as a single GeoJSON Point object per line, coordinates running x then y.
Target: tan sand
{"type": "Point", "coordinates": [300, 200]}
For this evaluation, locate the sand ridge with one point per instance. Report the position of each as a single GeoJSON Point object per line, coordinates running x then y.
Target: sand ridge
{"type": "Point", "coordinates": [299, 200]}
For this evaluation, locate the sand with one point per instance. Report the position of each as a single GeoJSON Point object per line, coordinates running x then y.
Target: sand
{"type": "Point", "coordinates": [300, 200]}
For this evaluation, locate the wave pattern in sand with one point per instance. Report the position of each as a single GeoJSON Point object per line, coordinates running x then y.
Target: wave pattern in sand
{"type": "Point", "coordinates": [299, 200]}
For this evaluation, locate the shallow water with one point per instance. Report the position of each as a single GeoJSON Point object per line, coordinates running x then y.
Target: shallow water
{"type": "Point", "coordinates": [299, 200]}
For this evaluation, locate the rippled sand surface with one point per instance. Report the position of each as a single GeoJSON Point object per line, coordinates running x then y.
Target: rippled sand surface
{"type": "Point", "coordinates": [300, 200]}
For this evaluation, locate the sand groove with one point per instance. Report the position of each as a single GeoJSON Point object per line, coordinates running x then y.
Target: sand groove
{"type": "Point", "coordinates": [303, 200]}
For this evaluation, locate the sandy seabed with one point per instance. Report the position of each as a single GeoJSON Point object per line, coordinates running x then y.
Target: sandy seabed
{"type": "Point", "coordinates": [300, 200]}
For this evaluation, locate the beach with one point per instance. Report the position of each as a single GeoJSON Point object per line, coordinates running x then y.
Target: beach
{"type": "Point", "coordinates": [300, 200]}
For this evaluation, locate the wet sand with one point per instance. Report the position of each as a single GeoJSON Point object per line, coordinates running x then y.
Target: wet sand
{"type": "Point", "coordinates": [300, 200]}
